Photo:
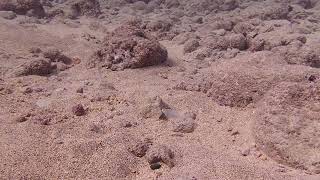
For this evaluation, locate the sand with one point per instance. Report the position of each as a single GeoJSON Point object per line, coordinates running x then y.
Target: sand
{"type": "Point", "coordinates": [160, 89]}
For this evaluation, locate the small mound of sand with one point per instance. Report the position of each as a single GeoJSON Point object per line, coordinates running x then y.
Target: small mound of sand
{"type": "Point", "coordinates": [239, 90]}
{"type": "Point", "coordinates": [287, 127]}
{"type": "Point", "coordinates": [231, 89]}
{"type": "Point", "coordinates": [129, 47]}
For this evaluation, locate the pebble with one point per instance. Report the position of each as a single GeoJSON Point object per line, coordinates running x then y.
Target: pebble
{"type": "Point", "coordinates": [21, 119]}
{"type": "Point", "coordinates": [139, 149]}
{"type": "Point", "coordinates": [160, 153]}
{"type": "Point", "coordinates": [155, 166]}
{"type": "Point", "coordinates": [245, 152]}
{"type": "Point", "coordinates": [163, 75]}
{"type": "Point", "coordinates": [35, 50]}
{"type": "Point", "coordinates": [27, 90]}
{"type": "Point", "coordinates": [78, 110]}
{"type": "Point", "coordinates": [235, 132]}
{"type": "Point", "coordinates": [80, 90]}
{"type": "Point", "coordinates": [312, 78]}
{"type": "Point", "coordinates": [94, 128]}
{"type": "Point", "coordinates": [263, 157]}
{"type": "Point", "coordinates": [181, 122]}
{"type": "Point", "coordinates": [154, 109]}
{"type": "Point", "coordinates": [186, 178]}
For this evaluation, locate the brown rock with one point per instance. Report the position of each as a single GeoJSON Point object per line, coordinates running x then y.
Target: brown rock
{"type": "Point", "coordinates": [39, 67]}
{"type": "Point", "coordinates": [23, 7]}
{"type": "Point", "coordinates": [129, 47]}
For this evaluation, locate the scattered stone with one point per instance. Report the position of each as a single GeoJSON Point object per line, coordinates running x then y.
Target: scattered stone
{"type": "Point", "coordinates": [38, 89]}
{"type": "Point", "coordinates": [184, 37]}
{"type": "Point", "coordinates": [159, 26]}
{"type": "Point", "coordinates": [127, 124]}
{"type": "Point", "coordinates": [225, 24]}
{"type": "Point", "coordinates": [235, 132]}
{"type": "Point", "coordinates": [312, 78]}
{"type": "Point", "coordinates": [35, 50]}
{"type": "Point", "coordinates": [154, 109]}
{"type": "Point", "coordinates": [23, 7]}
{"type": "Point", "coordinates": [94, 128]}
{"type": "Point", "coordinates": [8, 15]}
{"type": "Point", "coordinates": [140, 148]}
{"type": "Point", "coordinates": [78, 110]}
{"type": "Point", "coordinates": [27, 90]}
{"type": "Point", "coordinates": [220, 32]}
{"type": "Point", "coordinates": [181, 122]}
{"type": "Point", "coordinates": [160, 153]}
{"type": "Point", "coordinates": [163, 75]}
{"type": "Point", "coordinates": [229, 5]}
{"type": "Point", "coordinates": [302, 39]}
{"type": "Point", "coordinates": [191, 45]}
{"type": "Point", "coordinates": [139, 5]}
{"type": "Point", "coordinates": [55, 55]}
{"type": "Point", "coordinates": [186, 178]}
{"type": "Point", "coordinates": [89, 8]}
{"type": "Point", "coordinates": [6, 90]}
{"type": "Point", "coordinates": [245, 152]}
{"type": "Point", "coordinates": [198, 20]}
{"type": "Point", "coordinates": [301, 55]}
{"type": "Point", "coordinates": [185, 125]}
{"type": "Point", "coordinates": [243, 28]}
{"type": "Point", "coordinates": [52, 53]}
{"type": "Point", "coordinates": [307, 4]}
{"type": "Point", "coordinates": [44, 117]}
{"type": "Point", "coordinates": [263, 157]}
{"type": "Point", "coordinates": [231, 53]}
{"type": "Point", "coordinates": [237, 41]}
{"type": "Point", "coordinates": [43, 120]}
{"type": "Point", "coordinates": [267, 11]}
{"type": "Point", "coordinates": [257, 44]}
